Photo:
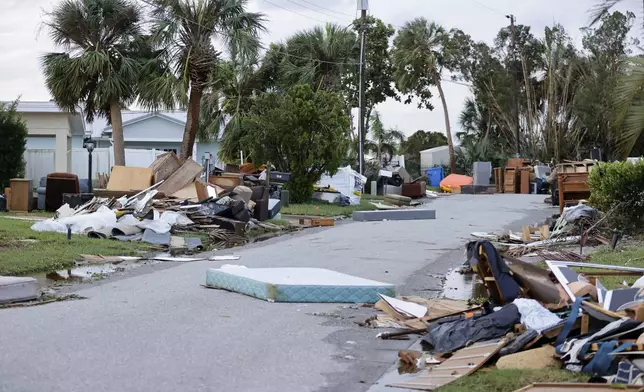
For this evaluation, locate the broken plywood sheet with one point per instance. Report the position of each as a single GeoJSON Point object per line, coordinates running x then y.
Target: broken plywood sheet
{"type": "Point", "coordinates": [297, 284]}
{"type": "Point", "coordinates": [463, 363]}
{"type": "Point", "coordinates": [126, 178]}
{"type": "Point", "coordinates": [185, 175]}
{"type": "Point", "coordinates": [572, 387]}
{"type": "Point", "coordinates": [165, 165]}
{"type": "Point", "coordinates": [194, 192]}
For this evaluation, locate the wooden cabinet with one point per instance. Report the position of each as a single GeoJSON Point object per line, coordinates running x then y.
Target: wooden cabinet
{"type": "Point", "coordinates": [21, 195]}
{"type": "Point", "coordinates": [572, 188]}
{"type": "Point", "coordinates": [511, 180]}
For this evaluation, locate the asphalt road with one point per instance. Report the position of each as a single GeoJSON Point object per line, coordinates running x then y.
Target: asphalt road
{"type": "Point", "coordinates": [163, 331]}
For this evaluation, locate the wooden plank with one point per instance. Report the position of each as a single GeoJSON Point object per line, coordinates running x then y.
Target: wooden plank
{"type": "Point", "coordinates": [180, 178]}
{"type": "Point", "coordinates": [126, 178]}
{"type": "Point", "coordinates": [164, 166]}
{"type": "Point", "coordinates": [463, 363]}
{"type": "Point", "coordinates": [544, 232]}
{"type": "Point", "coordinates": [226, 181]}
{"type": "Point", "coordinates": [21, 195]}
{"type": "Point", "coordinates": [317, 222]}
{"type": "Point", "coordinates": [525, 182]}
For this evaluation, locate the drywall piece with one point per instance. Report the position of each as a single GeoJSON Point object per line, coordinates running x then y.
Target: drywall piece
{"type": "Point", "coordinates": [297, 284]}
{"type": "Point", "coordinates": [410, 309]}
{"type": "Point", "coordinates": [14, 289]}
{"type": "Point", "coordinates": [127, 178]}
{"type": "Point", "coordinates": [412, 214]}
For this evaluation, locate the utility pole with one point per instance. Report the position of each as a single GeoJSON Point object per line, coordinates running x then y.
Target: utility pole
{"type": "Point", "coordinates": [515, 92]}
{"type": "Point", "coordinates": [363, 6]}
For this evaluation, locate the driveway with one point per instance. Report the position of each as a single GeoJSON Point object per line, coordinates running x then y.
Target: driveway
{"type": "Point", "coordinates": [163, 331]}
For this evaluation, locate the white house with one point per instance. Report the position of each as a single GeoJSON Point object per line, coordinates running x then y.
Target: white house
{"type": "Point", "coordinates": [55, 140]}
{"type": "Point", "coordinates": [161, 131]}
{"type": "Point", "coordinates": [54, 130]}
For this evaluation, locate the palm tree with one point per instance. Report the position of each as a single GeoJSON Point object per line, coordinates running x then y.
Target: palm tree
{"type": "Point", "coordinates": [186, 29]}
{"type": "Point", "coordinates": [100, 66]}
{"type": "Point", "coordinates": [419, 50]}
{"type": "Point", "coordinates": [385, 142]}
{"type": "Point", "coordinates": [320, 56]}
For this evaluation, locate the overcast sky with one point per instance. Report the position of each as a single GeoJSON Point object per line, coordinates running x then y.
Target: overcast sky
{"type": "Point", "coordinates": [21, 45]}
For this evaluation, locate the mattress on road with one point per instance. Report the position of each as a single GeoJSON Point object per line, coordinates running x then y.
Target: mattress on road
{"type": "Point", "coordinates": [297, 284]}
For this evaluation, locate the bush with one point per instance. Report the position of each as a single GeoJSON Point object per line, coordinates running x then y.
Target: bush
{"type": "Point", "coordinates": [619, 187]}
{"type": "Point", "coordinates": [303, 132]}
{"type": "Point", "coordinates": [13, 133]}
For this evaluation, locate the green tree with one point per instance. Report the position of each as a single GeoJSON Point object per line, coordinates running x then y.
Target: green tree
{"type": "Point", "coordinates": [421, 51]}
{"type": "Point", "coordinates": [320, 56]}
{"type": "Point", "coordinates": [385, 143]}
{"type": "Point", "coordinates": [100, 67]}
{"type": "Point", "coordinates": [302, 131]}
{"type": "Point", "coordinates": [13, 132]}
{"type": "Point", "coordinates": [186, 30]}
{"type": "Point", "coordinates": [378, 72]}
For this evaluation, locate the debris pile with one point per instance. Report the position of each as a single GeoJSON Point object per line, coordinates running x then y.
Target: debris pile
{"type": "Point", "coordinates": [561, 316]}
{"type": "Point", "coordinates": [170, 197]}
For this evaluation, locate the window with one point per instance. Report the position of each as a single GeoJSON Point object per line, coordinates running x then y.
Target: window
{"type": "Point", "coordinates": [174, 150]}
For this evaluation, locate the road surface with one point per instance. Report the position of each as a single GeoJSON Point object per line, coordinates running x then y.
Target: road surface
{"type": "Point", "coordinates": [163, 331]}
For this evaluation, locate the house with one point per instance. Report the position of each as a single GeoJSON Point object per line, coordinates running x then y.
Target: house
{"type": "Point", "coordinates": [53, 130]}
{"type": "Point", "coordinates": [162, 131]}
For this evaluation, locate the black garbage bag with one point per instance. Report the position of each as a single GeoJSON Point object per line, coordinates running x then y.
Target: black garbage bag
{"type": "Point", "coordinates": [451, 336]}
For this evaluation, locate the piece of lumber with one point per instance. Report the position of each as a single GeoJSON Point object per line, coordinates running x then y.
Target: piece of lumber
{"type": "Point", "coordinates": [126, 178]}
{"type": "Point", "coordinates": [180, 178]}
{"type": "Point", "coordinates": [165, 165]}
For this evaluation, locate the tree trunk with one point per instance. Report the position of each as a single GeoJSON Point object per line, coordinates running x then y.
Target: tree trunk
{"type": "Point", "coordinates": [192, 122]}
{"type": "Point", "coordinates": [448, 129]}
{"type": "Point", "coordinates": [117, 133]}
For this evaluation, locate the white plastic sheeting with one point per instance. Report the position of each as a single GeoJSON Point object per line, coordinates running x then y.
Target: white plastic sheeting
{"type": "Point", "coordinates": [80, 224]}
{"type": "Point", "coordinates": [346, 181]}
{"type": "Point", "coordinates": [104, 219]}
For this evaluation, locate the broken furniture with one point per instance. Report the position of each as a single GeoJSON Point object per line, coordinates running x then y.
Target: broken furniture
{"type": "Point", "coordinates": [572, 187]}
{"type": "Point", "coordinates": [297, 284]}
{"type": "Point", "coordinates": [510, 180]}
{"type": "Point", "coordinates": [498, 179]}
{"type": "Point", "coordinates": [414, 189]}
{"type": "Point", "coordinates": [21, 195]}
{"type": "Point", "coordinates": [260, 196]}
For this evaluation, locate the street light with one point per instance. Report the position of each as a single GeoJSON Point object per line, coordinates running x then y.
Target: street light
{"type": "Point", "coordinates": [88, 143]}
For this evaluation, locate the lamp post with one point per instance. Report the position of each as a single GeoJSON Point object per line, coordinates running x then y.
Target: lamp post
{"type": "Point", "coordinates": [88, 143]}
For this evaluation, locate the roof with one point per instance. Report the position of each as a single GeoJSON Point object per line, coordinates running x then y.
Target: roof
{"type": "Point", "coordinates": [439, 148]}
{"type": "Point", "coordinates": [76, 120]}
{"type": "Point", "coordinates": [100, 125]}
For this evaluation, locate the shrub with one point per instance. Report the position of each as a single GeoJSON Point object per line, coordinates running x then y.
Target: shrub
{"type": "Point", "coordinates": [619, 187]}
{"type": "Point", "coordinates": [13, 133]}
{"type": "Point", "coordinates": [303, 132]}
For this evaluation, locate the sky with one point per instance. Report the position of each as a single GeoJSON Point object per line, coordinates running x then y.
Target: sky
{"type": "Point", "coordinates": [22, 43]}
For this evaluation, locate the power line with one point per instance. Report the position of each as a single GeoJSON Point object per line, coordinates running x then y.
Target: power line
{"type": "Point", "coordinates": [329, 9]}
{"type": "Point", "coordinates": [314, 10]}
{"type": "Point", "coordinates": [295, 12]}
{"type": "Point", "coordinates": [488, 7]}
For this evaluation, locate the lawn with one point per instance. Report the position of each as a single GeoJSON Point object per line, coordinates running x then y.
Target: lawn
{"type": "Point", "coordinates": [52, 250]}
{"type": "Point", "coordinates": [321, 208]}
{"type": "Point", "coordinates": [628, 257]}
{"type": "Point", "coordinates": [496, 380]}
